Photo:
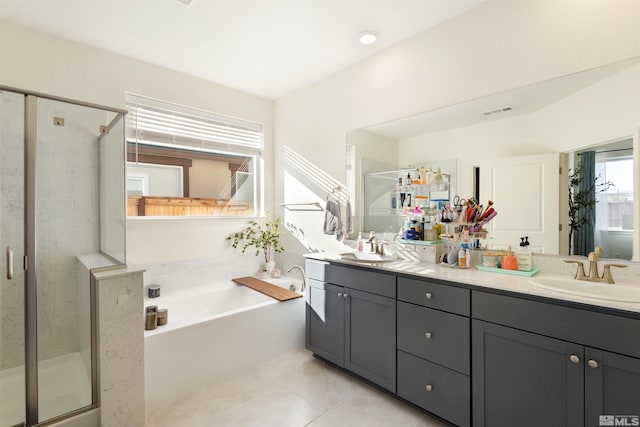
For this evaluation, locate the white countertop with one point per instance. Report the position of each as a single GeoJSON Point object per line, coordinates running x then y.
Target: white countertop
{"type": "Point", "coordinates": [474, 277]}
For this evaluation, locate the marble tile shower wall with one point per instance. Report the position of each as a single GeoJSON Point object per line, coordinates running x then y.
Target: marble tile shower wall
{"type": "Point", "coordinates": [179, 275]}
{"type": "Point", "coordinates": [11, 232]}
{"type": "Point", "coordinates": [67, 218]}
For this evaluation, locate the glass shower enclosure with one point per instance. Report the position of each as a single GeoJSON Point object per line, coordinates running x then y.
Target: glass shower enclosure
{"type": "Point", "coordinates": [61, 201]}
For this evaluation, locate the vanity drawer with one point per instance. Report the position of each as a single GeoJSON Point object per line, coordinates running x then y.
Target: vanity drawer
{"type": "Point", "coordinates": [363, 280]}
{"type": "Point", "coordinates": [435, 295]}
{"type": "Point", "coordinates": [434, 335]}
{"type": "Point", "coordinates": [595, 329]}
{"type": "Point", "coordinates": [439, 390]}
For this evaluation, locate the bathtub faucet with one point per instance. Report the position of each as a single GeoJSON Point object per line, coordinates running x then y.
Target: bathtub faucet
{"type": "Point", "coordinates": [304, 276]}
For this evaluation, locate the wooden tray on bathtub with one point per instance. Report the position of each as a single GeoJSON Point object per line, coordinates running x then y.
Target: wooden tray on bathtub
{"type": "Point", "coordinates": [274, 291]}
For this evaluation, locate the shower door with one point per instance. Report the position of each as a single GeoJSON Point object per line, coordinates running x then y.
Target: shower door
{"type": "Point", "coordinates": [12, 241]}
{"type": "Point", "coordinates": [61, 214]}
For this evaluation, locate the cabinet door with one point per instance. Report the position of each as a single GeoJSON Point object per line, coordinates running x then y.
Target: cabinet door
{"type": "Point", "coordinates": [612, 385]}
{"type": "Point", "coordinates": [523, 379]}
{"type": "Point", "coordinates": [325, 334]}
{"type": "Point", "coordinates": [370, 337]}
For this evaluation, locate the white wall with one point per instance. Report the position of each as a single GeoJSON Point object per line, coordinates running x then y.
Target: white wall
{"type": "Point", "coordinates": [494, 47]}
{"type": "Point", "coordinates": [48, 64]}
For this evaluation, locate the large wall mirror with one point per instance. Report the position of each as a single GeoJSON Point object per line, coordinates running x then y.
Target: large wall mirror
{"type": "Point", "coordinates": [519, 148]}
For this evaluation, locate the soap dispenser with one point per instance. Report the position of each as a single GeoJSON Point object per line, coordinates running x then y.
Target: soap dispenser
{"type": "Point", "coordinates": [524, 255]}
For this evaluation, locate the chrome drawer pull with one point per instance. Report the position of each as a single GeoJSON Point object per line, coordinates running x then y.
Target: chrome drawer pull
{"type": "Point", "coordinates": [574, 358]}
{"type": "Point", "coordinates": [592, 364]}
{"type": "Point", "coordinates": [428, 295]}
{"type": "Point", "coordinates": [429, 387]}
{"type": "Point", "coordinates": [427, 335]}
{"type": "Point", "coordinates": [339, 294]}
{"type": "Point", "coordinates": [345, 295]}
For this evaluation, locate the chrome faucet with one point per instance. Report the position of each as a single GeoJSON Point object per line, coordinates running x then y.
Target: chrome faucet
{"type": "Point", "coordinates": [593, 275]}
{"type": "Point", "coordinates": [376, 248]}
{"type": "Point", "coordinates": [373, 240]}
{"type": "Point", "coordinates": [304, 276]}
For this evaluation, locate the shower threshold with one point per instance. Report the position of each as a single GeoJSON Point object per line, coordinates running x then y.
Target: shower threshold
{"type": "Point", "coordinates": [64, 386]}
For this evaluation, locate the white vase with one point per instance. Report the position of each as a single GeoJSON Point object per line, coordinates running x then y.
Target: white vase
{"type": "Point", "coordinates": [270, 266]}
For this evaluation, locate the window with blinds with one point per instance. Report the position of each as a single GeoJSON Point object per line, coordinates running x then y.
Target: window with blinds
{"type": "Point", "coordinates": [219, 160]}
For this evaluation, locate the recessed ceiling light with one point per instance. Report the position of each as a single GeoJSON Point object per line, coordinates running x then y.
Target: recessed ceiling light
{"type": "Point", "coordinates": [368, 37]}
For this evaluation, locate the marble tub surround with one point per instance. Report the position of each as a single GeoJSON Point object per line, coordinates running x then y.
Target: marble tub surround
{"type": "Point", "coordinates": [549, 267]}
{"type": "Point", "coordinates": [293, 390]}
{"type": "Point", "coordinates": [121, 347]}
{"type": "Point", "coordinates": [181, 275]}
{"type": "Point", "coordinates": [194, 272]}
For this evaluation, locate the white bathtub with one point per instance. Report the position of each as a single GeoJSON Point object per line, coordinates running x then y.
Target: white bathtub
{"type": "Point", "coordinates": [214, 332]}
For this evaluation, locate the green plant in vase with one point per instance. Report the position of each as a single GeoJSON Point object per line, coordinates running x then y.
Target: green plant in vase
{"type": "Point", "coordinates": [264, 237]}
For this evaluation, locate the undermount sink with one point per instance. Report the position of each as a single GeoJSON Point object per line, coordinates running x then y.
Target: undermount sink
{"type": "Point", "coordinates": [583, 288]}
{"type": "Point", "coordinates": [367, 257]}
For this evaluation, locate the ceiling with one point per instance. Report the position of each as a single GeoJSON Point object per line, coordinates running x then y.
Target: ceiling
{"type": "Point", "coordinates": [265, 47]}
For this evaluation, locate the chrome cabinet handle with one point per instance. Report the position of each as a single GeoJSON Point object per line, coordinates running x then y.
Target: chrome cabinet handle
{"type": "Point", "coordinates": [339, 294]}
{"type": "Point", "coordinates": [592, 364]}
{"type": "Point", "coordinates": [345, 296]}
{"type": "Point", "coordinates": [427, 335]}
{"type": "Point", "coordinates": [429, 387]}
{"type": "Point", "coordinates": [9, 263]}
{"type": "Point", "coordinates": [428, 295]}
{"type": "Point", "coordinates": [574, 358]}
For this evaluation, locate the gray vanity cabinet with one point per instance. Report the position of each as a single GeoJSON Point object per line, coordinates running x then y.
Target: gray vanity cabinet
{"type": "Point", "coordinates": [536, 363]}
{"type": "Point", "coordinates": [359, 327]}
{"type": "Point", "coordinates": [476, 357]}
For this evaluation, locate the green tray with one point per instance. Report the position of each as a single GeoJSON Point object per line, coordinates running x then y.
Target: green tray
{"type": "Point", "coordinates": [512, 272]}
{"type": "Point", "coordinates": [420, 242]}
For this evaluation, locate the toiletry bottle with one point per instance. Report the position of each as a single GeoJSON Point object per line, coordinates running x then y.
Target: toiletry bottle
{"type": "Point", "coordinates": [430, 176]}
{"type": "Point", "coordinates": [524, 255]}
{"type": "Point", "coordinates": [462, 256]}
{"type": "Point", "coordinates": [438, 177]}
{"type": "Point", "coordinates": [509, 261]}
{"type": "Point", "coordinates": [423, 175]}
{"type": "Point", "coordinates": [468, 256]}
{"type": "Point", "coordinates": [360, 243]}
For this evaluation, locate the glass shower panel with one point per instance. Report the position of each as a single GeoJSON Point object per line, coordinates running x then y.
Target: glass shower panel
{"type": "Point", "coordinates": [67, 226]}
{"type": "Point", "coordinates": [12, 367]}
{"type": "Point", "coordinates": [112, 200]}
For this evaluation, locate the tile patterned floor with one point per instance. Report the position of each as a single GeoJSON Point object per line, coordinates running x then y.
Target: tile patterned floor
{"type": "Point", "coordinates": [294, 390]}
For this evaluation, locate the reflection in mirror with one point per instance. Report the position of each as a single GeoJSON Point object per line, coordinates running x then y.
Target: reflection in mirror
{"type": "Point", "coordinates": [611, 166]}
{"type": "Point", "coordinates": [376, 182]}
{"type": "Point", "coordinates": [519, 139]}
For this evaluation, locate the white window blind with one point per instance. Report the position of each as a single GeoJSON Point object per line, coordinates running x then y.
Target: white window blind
{"type": "Point", "coordinates": [160, 123]}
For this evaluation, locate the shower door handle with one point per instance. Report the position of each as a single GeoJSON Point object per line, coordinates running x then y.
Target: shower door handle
{"type": "Point", "coordinates": [9, 263]}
